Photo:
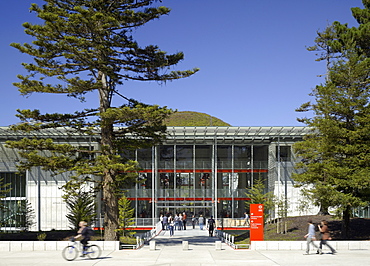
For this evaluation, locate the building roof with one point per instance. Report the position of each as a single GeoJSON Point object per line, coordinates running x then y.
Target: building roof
{"type": "Point", "coordinates": [246, 133]}
{"type": "Point", "coordinates": [239, 132]}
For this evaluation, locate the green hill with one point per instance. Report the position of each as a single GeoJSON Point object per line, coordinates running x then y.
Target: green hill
{"type": "Point", "coordinates": [194, 119]}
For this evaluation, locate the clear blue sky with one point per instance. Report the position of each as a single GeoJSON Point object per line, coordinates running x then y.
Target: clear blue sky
{"type": "Point", "coordinates": [254, 66]}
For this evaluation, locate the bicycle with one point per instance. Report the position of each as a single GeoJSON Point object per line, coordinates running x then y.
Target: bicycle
{"type": "Point", "coordinates": [71, 251]}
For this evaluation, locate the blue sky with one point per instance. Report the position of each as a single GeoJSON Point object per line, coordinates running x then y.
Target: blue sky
{"type": "Point", "coordinates": [254, 66]}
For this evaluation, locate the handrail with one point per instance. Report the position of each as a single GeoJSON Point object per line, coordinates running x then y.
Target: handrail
{"type": "Point", "coordinates": [230, 240]}
{"type": "Point", "coordinates": [147, 236]}
{"type": "Point", "coordinates": [144, 238]}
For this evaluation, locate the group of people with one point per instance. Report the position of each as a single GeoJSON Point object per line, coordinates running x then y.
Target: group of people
{"type": "Point", "coordinates": [178, 222]}
{"type": "Point", "coordinates": [325, 236]}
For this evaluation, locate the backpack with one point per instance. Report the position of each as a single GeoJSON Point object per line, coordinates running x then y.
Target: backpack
{"type": "Point", "coordinates": [211, 222]}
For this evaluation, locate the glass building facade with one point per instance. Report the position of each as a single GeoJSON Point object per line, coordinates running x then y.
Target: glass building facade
{"type": "Point", "coordinates": [199, 170]}
{"type": "Point", "coordinates": [208, 171]}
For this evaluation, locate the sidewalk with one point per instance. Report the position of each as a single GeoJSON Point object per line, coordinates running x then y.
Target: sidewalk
{"type": "Point", "coordinates": [201, 252]}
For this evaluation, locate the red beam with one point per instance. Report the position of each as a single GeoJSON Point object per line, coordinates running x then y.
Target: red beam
{"type": "Point", "coordinates": [206, 171]}
{"type": "Point", "coordinates": [233, 228]}
{"type": "Point", "coordinates": [187, 199]}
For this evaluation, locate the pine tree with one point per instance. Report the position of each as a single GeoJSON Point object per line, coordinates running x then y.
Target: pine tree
{"type": "Point", "coordinates": [81, 206]}
{"type": "Point", "coordinates": [258, 195]}
{"type": "Point", "coordinates": [126, 216]}
{"type": "Point", "coordinates": [86, 46]}
{"type": "Point", "coordinates": [335, 156]}
{"type": "Point", "coordinates": [26, 214]}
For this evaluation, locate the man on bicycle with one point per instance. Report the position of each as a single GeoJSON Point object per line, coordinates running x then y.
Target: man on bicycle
{"type": "Point", "coordinates": [86, 233]}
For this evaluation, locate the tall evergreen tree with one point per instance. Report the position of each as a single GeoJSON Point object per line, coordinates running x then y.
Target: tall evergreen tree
{"type": "Point", "coordinates": [336, 156]}
{"type": "Point", "coordinates": [86, 46]}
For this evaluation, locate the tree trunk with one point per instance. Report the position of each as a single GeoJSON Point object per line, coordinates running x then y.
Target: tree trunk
{"type": "Point", "coordinates": [345, 222]}
{"type": "Point", "coordinates": [111, 210]}
{"type": "Point", "coordinates": [323, 210]}
{"type": "Point", "coordinates": [109, 193]}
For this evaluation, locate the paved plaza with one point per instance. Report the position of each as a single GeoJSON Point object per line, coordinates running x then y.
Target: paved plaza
{"type": "Point", "coordinates": [202, 251]}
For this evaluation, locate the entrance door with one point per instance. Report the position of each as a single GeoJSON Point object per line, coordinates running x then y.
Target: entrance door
{"type": "Point", "coordinates": [205, 210]}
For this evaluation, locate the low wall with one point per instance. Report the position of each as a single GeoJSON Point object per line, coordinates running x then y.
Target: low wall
{"type": "Point", "coordinates": [301, 245]}
{"type": "Point", "coordinates": [114, 245]}
{"type": "Point", "coordinates": [50, 245]}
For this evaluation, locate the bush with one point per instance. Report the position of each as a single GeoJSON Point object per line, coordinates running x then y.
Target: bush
{"type": "Point", "coordinates": [41, 237]}
{"type": "Point", "coordinates": [127, 240]}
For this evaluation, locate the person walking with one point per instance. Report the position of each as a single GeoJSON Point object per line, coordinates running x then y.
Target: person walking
{"type": "Point", "coordinates": [177, 222]}
{"type": "Point", "coordinates": [310, 237]}
{"type": "Point", "coordinates": [161, 220]}
{"type": "Point", "coordinates": [165, 222]}
{"type": "Point", "coordinates": [193, 221]}
{"type": "Point", "coordinates": [325, 236]}
{"type": "Point", "coordinates": [201, 222]}
{"type": "Point", "coordinates": [246, 219]}
{"type": "Point", "coordinates": [211, 225]}
{"type": "Point", "coordinates": [171, 225]}
{"type": "Point", "coordinates": [180, 221]}
{"type": "Point", "coordinates": [184, 219]}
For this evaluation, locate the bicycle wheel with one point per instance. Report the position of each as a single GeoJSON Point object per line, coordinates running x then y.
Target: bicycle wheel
{"type": "Point", "coordinates": [69, 253]}
{"type": "Point", "coordinates": [93, 252]}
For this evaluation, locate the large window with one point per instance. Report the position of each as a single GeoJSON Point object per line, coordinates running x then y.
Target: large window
{"type": "Point", "coordinates": [260, 154]}
{"type": "Point", "coordinates": [166, 157]}
{"type": "Point", "coordinates": [144, 157]}
{"type": "Point", "coordinates": [203, 157]}
{"type": "Point", "coordinates": [285, 153]}
{"type": "Point", "coordinates": [14, 209]}
{"type": "Point", "coordinates": [224, 156]}
{"type": "Point", "coordinates": [17, 184]}
{"type": "Point", "coordinates": [184, 156]}
{"type": "Point", "coordinates": [242, 157]}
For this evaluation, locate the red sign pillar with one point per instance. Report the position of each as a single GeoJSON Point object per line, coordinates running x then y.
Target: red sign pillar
{"type": "Point", "coordinates": [256, 222]}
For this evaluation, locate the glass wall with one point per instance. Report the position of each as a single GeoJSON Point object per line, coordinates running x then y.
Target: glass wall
{"type": "Point", "coordinates": [285, 153]}
{"type": "Point", "coordinates": [260, 156]}
{"type": "Point", "coordinates": [185, 178]}
{"type": "Point", "coordinates": [166, 157]}
{"type": "Point", "coordinates": [144, 184]}
{"type": "Point", "coordinates": [242, 157]}
{"type": "Point", "coordinates": [245, 180]}
{"type": "Point", "coordinates": [203, 157]}
{"type": "Point", "coordinates": [224, 156]}
{"type": "Point", "coordinates": [184, 156]}
{"type": "Point", "coordinates": [15, 211]}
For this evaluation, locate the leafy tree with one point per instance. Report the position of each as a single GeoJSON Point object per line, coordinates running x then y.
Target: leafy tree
{"type": "Point", "coordinates": [335, 156]}
{"type": "Point", "coordinates": [126, 214]}
{"type": "Point", "coordinates": [258, 195]}
{"type": "Point", "coordinates": [81, 207]}
{"type": "Point", "coordinates": [87, 46]}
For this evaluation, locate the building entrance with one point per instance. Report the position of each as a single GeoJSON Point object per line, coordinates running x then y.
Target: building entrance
{"type": "Point", "coordinates": [206, 210]}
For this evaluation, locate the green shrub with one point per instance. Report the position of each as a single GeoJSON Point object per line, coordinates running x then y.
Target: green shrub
{"type": "Point", "coordinates": [41, 237]}
{"type": "Point", "coordinates": [127, 240]}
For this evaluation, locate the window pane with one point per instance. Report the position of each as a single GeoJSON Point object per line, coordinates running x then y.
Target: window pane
{"type": "Point", "coordinates": [203, 157]}
{"type": "Point", "coordinates": [17, 184]}
{"type": "Point", "coordinates": [184, 156]}
{"type": "Point", "coordinates": [224, 156]}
